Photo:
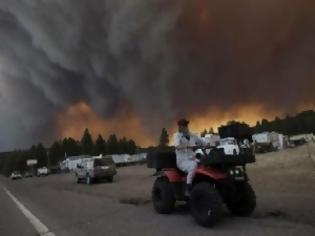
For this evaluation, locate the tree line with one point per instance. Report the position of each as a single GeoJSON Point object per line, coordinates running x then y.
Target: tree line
{"type": "Point", "coordinates": [303, 122]}
{"type": "Point", "coordinates": [60, 149]}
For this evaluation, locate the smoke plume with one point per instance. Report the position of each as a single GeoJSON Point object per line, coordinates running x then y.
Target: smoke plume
{"type": "Point", "coordinates": [156, 60]}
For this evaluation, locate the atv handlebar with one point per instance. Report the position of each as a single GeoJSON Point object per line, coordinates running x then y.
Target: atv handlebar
{"type": "Point", "coordinates": [194, 148]}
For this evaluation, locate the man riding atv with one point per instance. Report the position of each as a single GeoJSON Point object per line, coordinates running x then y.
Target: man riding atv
{"type": "Point", "coordinates": [184, 142]}
{"type": "Point", "coordinates": [214, 180]}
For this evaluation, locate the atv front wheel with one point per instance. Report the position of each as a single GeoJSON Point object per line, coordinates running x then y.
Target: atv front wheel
{"type": "Point", "coordinates": [206, 204]}
{"type": "Point", "coordinates": [163, 196]}
{"type": "Point", "coordinates": [245, 200]}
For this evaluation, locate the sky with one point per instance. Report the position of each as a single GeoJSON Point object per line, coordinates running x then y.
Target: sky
{"type": "Point", "coordinates": [134, 67]}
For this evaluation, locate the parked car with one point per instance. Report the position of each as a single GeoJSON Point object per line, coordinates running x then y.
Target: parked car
{"type": "Point", "coordinates": [43, 171]}
{"type": "Point", "coordinates": [16, 175]}
{"type": "Point", "coordinates": [27, 174]}
{"type": "Point", "coordinates": [95, 168]}
{"type": "Point", "coordinates": [230, 146]}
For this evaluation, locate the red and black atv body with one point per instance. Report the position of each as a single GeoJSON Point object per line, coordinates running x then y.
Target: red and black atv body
{"type": "Point", "coordinates": [219, 179]}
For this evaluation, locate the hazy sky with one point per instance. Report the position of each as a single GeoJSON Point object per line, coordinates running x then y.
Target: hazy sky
{"type": "Point", "coordinates": [152, 60]}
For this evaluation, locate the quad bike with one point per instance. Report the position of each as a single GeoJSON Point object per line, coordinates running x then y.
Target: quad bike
{"type": "Point", "coordinates": [219, 179]}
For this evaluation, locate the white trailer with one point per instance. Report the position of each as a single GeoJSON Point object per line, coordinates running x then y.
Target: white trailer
{"type": "Point", "coordinates": [301, 139]}
{"type": "Point", "coordinates": [70, 163]}
{"type": "Point", "coordinates": [268, 141]}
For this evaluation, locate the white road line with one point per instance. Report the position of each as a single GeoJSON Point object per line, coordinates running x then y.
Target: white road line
{"type": "Point", "coordinates": [38, 225]}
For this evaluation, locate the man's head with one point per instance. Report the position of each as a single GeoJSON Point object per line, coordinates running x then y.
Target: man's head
{"type": "Point", "coordinates": [183, 126]}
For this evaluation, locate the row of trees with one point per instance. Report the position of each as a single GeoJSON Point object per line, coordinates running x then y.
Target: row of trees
{"type": "Point", "coordinates": [303, 122]}
{"type": "Point", "coordinates": [86, 146]}
{"type": "Point", "coordinates": [60, 149]}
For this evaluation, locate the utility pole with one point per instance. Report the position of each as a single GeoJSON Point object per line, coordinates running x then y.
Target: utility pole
{"type": "Point", "coordinates": [48, 160]}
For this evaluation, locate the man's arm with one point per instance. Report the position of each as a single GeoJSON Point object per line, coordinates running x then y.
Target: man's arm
{"type": "Point", "coordinates": [177, 142]}
{"type": "Point", "coordinates": [200, 141]}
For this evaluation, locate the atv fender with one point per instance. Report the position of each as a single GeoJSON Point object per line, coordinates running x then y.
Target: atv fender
{"type": "Point", "coordinates": [174, 176]}
{"type": "Point", "coordinates": [211, 173]}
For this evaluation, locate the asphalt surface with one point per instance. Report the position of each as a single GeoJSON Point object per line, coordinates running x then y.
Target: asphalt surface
{"type": "Point", "coordinates": [284, 183]}
{"type": "Point", "coordinates": [12, 220]}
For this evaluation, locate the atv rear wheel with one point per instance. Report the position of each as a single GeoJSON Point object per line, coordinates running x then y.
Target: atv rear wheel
{"type": "Point", "coordinates": [245, 202]}
{"type": "Point", "coordinates": [163, 196]}
{"type": "Point", "coordinates": [206, 204]}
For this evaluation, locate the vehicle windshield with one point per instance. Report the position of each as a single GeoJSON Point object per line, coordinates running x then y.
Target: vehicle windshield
{"type": "Point", "coordinates": [103, 162]}
{"type": "Point", "coordinates": [228, 142]}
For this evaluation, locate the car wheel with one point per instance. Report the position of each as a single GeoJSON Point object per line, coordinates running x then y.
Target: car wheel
{"type": "Point", "coordinates": [205, 204]}
{"type": "Point", "coordinates": [110, 179]}
{"type": "Point", "coordinates": [88, 180]}
{"type": "Point", "coordinates": [77, 177]}
{"type": "Point", "coordinates": [163, 196]}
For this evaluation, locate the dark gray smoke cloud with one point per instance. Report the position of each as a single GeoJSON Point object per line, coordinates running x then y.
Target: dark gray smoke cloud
{"type": "Point", "coordinates": [161, 59]}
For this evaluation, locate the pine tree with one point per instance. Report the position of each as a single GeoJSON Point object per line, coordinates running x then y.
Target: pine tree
{"type": "Point", "coordinates": [100, 146]}
{"type": "Point", "coordinates": [41, 155]}
{"type": "Point", "coordinates": [56, 153]}
{"type": "Point", "coordinates": [86, 143]}
{"type": "Point", "coordinates": [112, 144]}
{"type": "Point", "coordinates": [70, 147]}
{"type": "Point", "coordinates": [203, 133]}
{"type": "Point", "coordinates": [123, 146]}
{"type": "Point", "coordinates": [132, 147]}
{"type": "Point", "coordinates": [164, 138]}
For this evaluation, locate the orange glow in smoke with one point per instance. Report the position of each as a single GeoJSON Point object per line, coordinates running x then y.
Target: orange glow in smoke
{"type": "Point", "coordinates": [73, 121]}
{"type": "Point", "coordinates": [249, 114]}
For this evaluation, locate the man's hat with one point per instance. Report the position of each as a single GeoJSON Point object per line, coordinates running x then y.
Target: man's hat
{"type": "Point", "coordinates": [182, 122]}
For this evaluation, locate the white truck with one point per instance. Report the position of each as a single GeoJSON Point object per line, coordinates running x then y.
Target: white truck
{"type": "Point", "coordinates": [230, 146]}
{"type": "Point", "coordinates": [42, 171]}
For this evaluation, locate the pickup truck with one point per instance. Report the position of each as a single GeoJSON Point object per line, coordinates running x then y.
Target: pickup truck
{"type": "Point", "coordinates": [42, 171]}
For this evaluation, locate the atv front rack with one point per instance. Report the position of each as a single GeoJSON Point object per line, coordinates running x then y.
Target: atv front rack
{"type": "Point", "coordinates": [227, 160]}
{"type": "Point", "coordinates": [161, 160]}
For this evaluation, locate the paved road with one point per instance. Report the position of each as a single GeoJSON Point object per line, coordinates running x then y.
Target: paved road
{"type": "Point", "coordinates": [12, 220]}
{"type": "Point", "coordinates": [284, 183]}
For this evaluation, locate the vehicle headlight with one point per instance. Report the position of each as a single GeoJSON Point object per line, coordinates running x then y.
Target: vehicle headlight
{"type": "Point", "coordinates": [231, 172]}
{"type": "Point", "coordinates": [237, 172]}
